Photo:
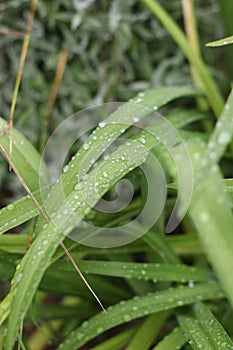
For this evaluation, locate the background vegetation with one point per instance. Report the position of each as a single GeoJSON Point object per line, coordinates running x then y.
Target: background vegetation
{"type": "Point", "coordinates": [111, 51]}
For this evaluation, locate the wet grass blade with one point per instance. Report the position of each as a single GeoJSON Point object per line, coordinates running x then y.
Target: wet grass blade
{"type": "Point", "coordinates": [25, 158]}
{"type": "Point", "coordinates": [148, 331]}
{"type": "Point", "coordinates": [223, 131]}
{"type": "Point", "coordinates": [202, 329]}
{"type": "Point", "coordinates": [212, 214]}
{"type": "Point", "coordinates": [138, 307]}
{"type": "Point", "coordinates": [221, 42]}
{"type": "Point", "coordinates": [160, 272]}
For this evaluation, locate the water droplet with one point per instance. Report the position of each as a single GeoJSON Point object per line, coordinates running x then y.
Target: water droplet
{"type": "Point", "coordinates": [191, 284]}
{"type": "Point", "coordinates": [18, 267]}
{"type": "Point", "coordinates": [127, 318]}
{"type": "Point", "coordinates": [224, 138]}
{"type": "Point", "coordinates": [10, 207]}
{"type": "Point", "coordinates": [66, 168]}
{"type": "Point", "coordinates": [87, 210]}
{"type": "Point", "coordinates": [105, 174]}
{"type": "Point", "coordinates": [99, 330]}
{"type": "Point", "coordinates": [19, 277]}
{"type": "Point", "coordinates": [78, 186]}
{"type": "Point", "coordinates": [102, 124]}
{"type": "Point", "coordinates": [86, 146]}
{"type": "Point", "coordinates": [155, 108]}
{"type": "Point", "coordinates": [204, 217]}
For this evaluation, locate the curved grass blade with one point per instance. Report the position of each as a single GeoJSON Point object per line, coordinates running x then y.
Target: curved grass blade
{"type": "Point", "coordinates": [19, 212]}
{"type": "Point", "coordinates": [223, 131]}
{"type": "Point", "coordinates": [139, 307]}
{"type": "Point", "coordinates": [221, 42]}
{"type": "Point", "coordinates": [148, 331]}
{"type": "Point", "coordinates": [173, 341]}
{"type": "Point", "coordinates": [212, 215]}
{"type": "Point", "coordinates": [202, 329]}
{"type": "Point", "coordinates": [25, 157]}
{"type": "Point", "coordinates": [160, 272]}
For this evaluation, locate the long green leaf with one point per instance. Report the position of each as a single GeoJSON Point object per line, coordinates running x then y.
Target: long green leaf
{"type": "Point", "coordinates": [221, 42]}
{"type": "Point", "coordinates": [160, 272]}
{"type": "Point", "coordinates": [148, 331]}
{"type": "Point", "coordinates": [138, 307]}
{"type": "Point", "coordinates": [202, 329]}
{"type": "Point", "coordinates": [25, 157]}
{"type": "Point", "coordinates": [211, 214]}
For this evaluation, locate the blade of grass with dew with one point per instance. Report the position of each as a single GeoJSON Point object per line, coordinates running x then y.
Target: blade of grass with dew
{"type": "Point", "coordinates": [223, 131]}
{"type": "Point", "coordinates": [19, 212]}
{"type": "Point", "coordinates": [221, 42]}
{"type": "Point", "coordinates": [139, 307]}
{"type": "Point", "coordinates": [173, 341]}
{"type": "Point", "coordinates": [25, 158]}
{"type": "Point", "coordinates": [209, 86]}
{"type": "Point", "coordinates": [148, 271]}
{"type": "Point", "coordinates": [202, 329]}
{"type": "Point", "coordinates": [148, 331]}
{"type": "Point", "coordinates": [211, 214]}
{"type": "Point", "coordinates": [35, 261]}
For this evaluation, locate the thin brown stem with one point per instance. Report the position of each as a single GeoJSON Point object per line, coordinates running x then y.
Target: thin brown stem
{"type": "Point", "coordinates": [11, 32]}
{"type": "Point", "coordinates": [21, 67]}
{"type": "Point", "coordinates": [81, 275]}
{"type": "Point", "coordinates": [53, 95]}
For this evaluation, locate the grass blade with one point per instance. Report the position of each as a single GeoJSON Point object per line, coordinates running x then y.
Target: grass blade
{"type": "Point", "coordinates": [210, 88]}
{"type": "Point", "coordinates": [160, 272]}
{"type": "Point", "coordinates": [173, 341]}
{"type": "Point", "coordinates": [223, 131]}
{"type": "Point", "coordinates": [138, 307]}
{"type": "Point", "coordinates": [221, 42]}
{"type": "Point", "coordinates": [203, 330]}
{"type": "Point", "coordinates": [148, 331]}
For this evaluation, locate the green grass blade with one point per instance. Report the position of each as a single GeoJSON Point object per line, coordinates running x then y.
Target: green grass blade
{"type": "Point", "coordinates": [211, 214]}
{"type": "Point", "coordinates": [222, 42]}
{"type": "Point", "coordinates": [139, 307]}
{"type": "Point", "coordinates": [117, 341]}
{"type": "Point", "coordinates": [173, 341]}
{"type": "Point", "coordinates": [210, 88]}
{"type": "Point", "coordinates": [148, 331]}
{"type": "Point", "coordinates": [203, 330]}
{"type": "Point", "coordinates": [25, 157]}
{"type": "Point", "coordinates": [19, 212]}
{"type": "Point", "coordinates": [160, 272]}
{"type": "Point", "coordinates": [223, 131]}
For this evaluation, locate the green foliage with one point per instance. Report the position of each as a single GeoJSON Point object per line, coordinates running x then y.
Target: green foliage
{"type": "Point", "coordinates": [160, 291]}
